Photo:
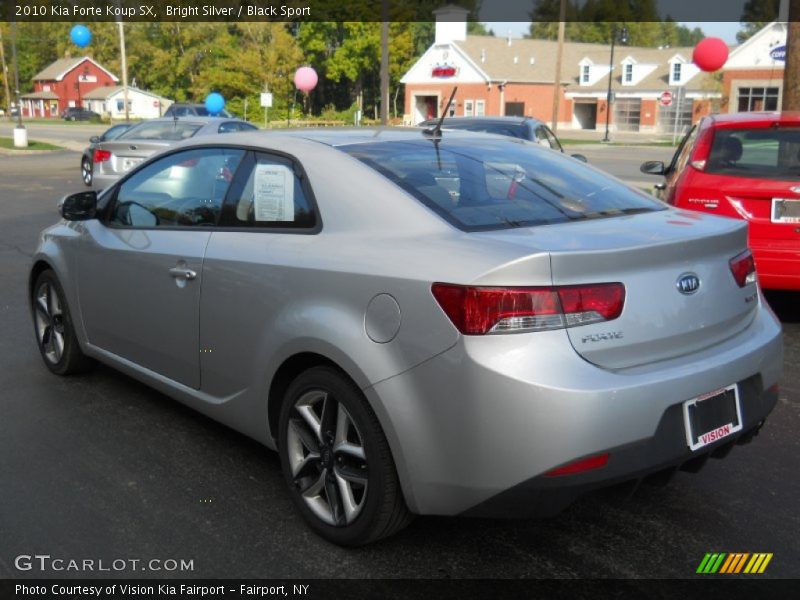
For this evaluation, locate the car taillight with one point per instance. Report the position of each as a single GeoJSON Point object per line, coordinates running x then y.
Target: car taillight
{"type": "Point", "coordinates": [101, 155]}
{"type": "Point", "coordinates": [580, 466]}
{"type": "Point", "coordinates": [481, 310]}
{"type": "Point", "coordinates": [743, 268]}
{"type": "Point", "coordinates": [702, 149]}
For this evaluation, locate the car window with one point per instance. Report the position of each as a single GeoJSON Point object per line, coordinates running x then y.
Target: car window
{"type": "Point", "coordinates": [233, 126]}
{"type": "Point", "coordinates": [162, 130]}
{"type": "Point", "coordinates": [115, 131]}
{"type": "Point", "coordinates": [507, 129]}
{"type": "Point", "coordinates": [772, 153]}
{"type": "Point", "coordinates": [184, 189]}
{"type": "Point", "coordinates": [681, 156]}
{"type": "Point", "coordinates": [551, 137]}
{"type": "Point", "coordinates": [499, 184]}
{"type": "Point", "coordinates": [268, 193]}
{"type": "Point", "coordinates": [541, 137]}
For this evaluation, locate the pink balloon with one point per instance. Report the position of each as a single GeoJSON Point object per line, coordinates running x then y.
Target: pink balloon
{"type": "Point", "coordinates": [305, 79]}
{"type": "Point", "coordinates": [710, 54]}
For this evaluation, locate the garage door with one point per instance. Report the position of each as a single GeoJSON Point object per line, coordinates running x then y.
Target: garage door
{"type": "Point", "coordinates": [627, 113]}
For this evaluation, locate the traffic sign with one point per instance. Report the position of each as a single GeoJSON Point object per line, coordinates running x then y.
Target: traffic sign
{"type": "Point", "coordinates": [665, 99]}
{"type": "Point", "coordinates": [266, 100]}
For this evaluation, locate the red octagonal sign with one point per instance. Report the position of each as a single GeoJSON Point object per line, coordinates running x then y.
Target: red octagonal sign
{"type": "Point", "coordinates": [665, 99]}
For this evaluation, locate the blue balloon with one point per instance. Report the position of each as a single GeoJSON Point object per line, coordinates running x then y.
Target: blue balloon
{"type": "Point", "coordinates": [80, 36]}
{"type": "Point", "coordinates": [214, 103]}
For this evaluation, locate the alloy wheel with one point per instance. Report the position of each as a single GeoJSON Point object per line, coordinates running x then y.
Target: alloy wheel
{"type": "Point", "coordinates": [49, 320]}
{"type": "Point", "coordinates": [327, 458]}
{"type": "Point", "coordinates": [86, 171]}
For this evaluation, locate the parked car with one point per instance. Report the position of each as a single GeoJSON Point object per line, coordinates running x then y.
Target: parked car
{"type": "Point", "coordinates": [180, 109]}
{"type": "Point", "coordinates": [88, 154]}
{"type": "Point", "coordinates": [459, 325]}
{"type": "Point", "coordinates": [79, 114]}
{"type": "Point", "coordinates": [112, 159]}
{"type": "Point", "coordinates": [526, 128]}
{"type": "Point", "coordinates": [745, 166]}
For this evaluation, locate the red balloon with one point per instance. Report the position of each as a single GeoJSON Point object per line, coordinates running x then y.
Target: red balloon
{"type": "Point", "coordinates": [710, 54]}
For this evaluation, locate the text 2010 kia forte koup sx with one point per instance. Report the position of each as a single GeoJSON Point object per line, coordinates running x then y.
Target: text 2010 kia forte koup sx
{"type": "Point", "coordinates": [432, 323]}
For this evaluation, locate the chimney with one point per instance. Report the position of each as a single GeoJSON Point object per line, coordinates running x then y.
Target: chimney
{"type": "Point", "coordinates": [451, 24]}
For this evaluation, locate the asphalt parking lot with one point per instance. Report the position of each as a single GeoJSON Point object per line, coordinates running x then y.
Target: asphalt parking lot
{"type": "Point", "coordinates": [101, 467]}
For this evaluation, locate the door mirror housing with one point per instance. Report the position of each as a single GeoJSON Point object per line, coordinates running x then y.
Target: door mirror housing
{"type": "Point", "coordinates": [580, 157]}
{"type": "Point", "coordinates": [653, 167]}
{"type": "Point", "coordinates": [79, 207]}
{"type": "Point", "coordinates": [95, 139]}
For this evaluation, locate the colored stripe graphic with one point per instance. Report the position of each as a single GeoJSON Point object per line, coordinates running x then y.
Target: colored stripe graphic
{"type": "Point", "coordinates": [733, 563]}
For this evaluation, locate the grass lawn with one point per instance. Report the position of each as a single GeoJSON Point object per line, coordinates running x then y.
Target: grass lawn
{"type": "Point", "coordinates": [8, 144]}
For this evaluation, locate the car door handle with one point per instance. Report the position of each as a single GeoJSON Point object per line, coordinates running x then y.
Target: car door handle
{"type": "Point", "coordinates": [181, 273]}
{"type": "Point", "coordinates": [660, 186]}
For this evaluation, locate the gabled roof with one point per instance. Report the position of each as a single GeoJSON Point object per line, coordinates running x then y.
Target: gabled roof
{"type": "Point", "coordinates": [57, 70]}
{"type": "Point", "coordinates": [105, 92]}
{"type": "Point", "coordinates": [499, 63]}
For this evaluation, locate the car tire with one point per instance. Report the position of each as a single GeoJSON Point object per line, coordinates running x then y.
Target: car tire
{"type": "Point", "coordinates": [337, 462]}
{"type": "Point", "coordinates": [86, 171]}
{"type": "Point", "coordinates": [53, 325]}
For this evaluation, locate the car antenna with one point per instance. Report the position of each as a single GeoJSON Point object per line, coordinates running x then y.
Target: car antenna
{"type": "Point", "coordinates": [436, 130]}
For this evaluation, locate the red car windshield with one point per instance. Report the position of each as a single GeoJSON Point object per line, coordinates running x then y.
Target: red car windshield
{"type": "Point", "coordinates": [772, 153]}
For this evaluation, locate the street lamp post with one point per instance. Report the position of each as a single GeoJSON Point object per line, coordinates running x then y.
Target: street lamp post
{"type": "Point", "coordinates": [623, 39]}
{"type": "Point", "coordinates": [20, 133]}
{"type": "Point", "coordinates": [85, 76]}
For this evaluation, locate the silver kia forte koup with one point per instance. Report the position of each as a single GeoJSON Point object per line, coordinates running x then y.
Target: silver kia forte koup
{"type": "Point", "coordinates": [419, 322]}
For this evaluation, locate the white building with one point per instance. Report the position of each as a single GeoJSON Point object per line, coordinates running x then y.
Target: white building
{"type": "Point", "coordinates": [109, 102]}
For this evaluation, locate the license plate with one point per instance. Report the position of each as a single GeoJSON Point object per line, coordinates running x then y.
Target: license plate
{"type": "Point", "coordinates": [785, 210]}
{"type": "Point", "coordinates": [129, 163]}
{"type": "Point", "coordinates": [712, 417]}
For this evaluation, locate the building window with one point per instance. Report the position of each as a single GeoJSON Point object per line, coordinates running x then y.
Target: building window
{"type": "Point", "coordinates": [121, 105]}
{"type": "Point", "coordinates": [676, 72]}
{"type": "Point", "coordinates": [758, 98]}
{"type": "Point", "coordinates": [469, 108]}
{"type": "Point", "coordinates": [585, 74]}
{"type": "Point", "coordinates": [628, 78]}
{"type": "Point", "coordinates": [480, 108]}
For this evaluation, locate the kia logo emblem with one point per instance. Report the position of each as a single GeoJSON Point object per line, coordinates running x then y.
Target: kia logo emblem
{"type": "Point", "coordinates": [688, 283]}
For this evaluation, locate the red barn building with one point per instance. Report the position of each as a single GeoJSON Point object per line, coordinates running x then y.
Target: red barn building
{"type": "Point", "coordinates": [63, 84]}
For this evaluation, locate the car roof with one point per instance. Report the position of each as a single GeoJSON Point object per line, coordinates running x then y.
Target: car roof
{"type": "Point", "coordinates": [755, 118]}
{"type": "Point", "coordinates": [504, 120]}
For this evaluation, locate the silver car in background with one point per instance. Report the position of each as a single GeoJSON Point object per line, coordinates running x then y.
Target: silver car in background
{"type": "Point", "coordinates": [112, 159]}
{"type": "Point", "coordinates": [419, 322]}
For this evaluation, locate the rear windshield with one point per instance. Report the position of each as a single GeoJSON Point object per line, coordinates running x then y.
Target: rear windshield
{"type": "Point", "coordinates": [479, 184]}
{"type": "Point", "coordinates": [772, 153]}
{"type": "Point", "coordinates": [517, 130]}
{"type": "Point", "coordinates": [164, 130]}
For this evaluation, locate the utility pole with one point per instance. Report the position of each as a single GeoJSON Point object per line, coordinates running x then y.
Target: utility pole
{"type": "Point", "coordinates": [124, 65]}
{"type": "Point", "coordinates": [385, 63]}
{"type": "Point", "coordinates": [791, 72]}
{"type": "Point", "coordinates": [562, 17]}
{"type": "Point", "coordinates": [20, 133]}
{"type": "Point", "coordinates": [4, 66]}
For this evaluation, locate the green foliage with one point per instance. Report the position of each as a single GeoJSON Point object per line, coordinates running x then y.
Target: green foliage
{"type": "Point", "coordinates": [756, 14]}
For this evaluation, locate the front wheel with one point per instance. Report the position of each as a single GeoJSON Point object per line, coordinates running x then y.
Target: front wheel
{"type": "Point", "coordinates": [55, 334]}
{"type": "Point", "coordinates": [337, 462]}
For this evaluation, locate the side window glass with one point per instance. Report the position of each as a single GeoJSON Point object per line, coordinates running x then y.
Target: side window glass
{"type": "Point", "coordinates": [551, 137]}
{"type": "Point", "coordinates": [228, 127]}
{"type": "Point", "coordinates": [683, 151]}
{"type": "Point", "coordinates": [185, 189]}
{"type": "Point", "coordinates": [270, 195]}
{"type": "Point", "coordinates": [541, 137]}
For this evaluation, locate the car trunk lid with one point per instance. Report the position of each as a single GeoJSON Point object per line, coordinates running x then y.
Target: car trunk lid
{"type": "Point", "coordinates": [126, 154]}
{"type": "Point", "coordinates": [650, 254]}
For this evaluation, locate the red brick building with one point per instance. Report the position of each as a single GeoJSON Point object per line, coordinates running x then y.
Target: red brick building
{"type": "Point", "coordinates": [505, 76]}
{"type": "Point", "coordinates": [63, 84]}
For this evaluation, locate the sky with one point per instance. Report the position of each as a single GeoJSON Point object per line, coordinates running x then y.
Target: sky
{"type": "Point", "coordinates": [726, 31]}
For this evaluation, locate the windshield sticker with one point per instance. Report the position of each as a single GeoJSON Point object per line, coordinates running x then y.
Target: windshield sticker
{"type": "Point", "coordinates": [273, 193]}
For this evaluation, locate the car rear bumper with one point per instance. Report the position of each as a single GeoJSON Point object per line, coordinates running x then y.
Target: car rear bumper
{"type": "Point", "coordinates": [778, 265]}
{"type": "Point", "coordinates": [474, 429]}
{"type": "Point", "coordinates": [101, 181]}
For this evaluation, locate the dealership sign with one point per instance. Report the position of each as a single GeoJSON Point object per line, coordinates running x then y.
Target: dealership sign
{"type": "Point", "coordinates": [778, 53]}
{"type": "Point", "coordinates": [444, 71]}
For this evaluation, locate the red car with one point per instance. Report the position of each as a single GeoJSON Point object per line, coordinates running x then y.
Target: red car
{"type": "Point", "coordinates": [746, 166]}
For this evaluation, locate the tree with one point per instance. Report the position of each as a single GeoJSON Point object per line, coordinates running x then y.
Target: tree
{"type": "Point", "coordinates": [791, 72]}
{"type": "Point", "coordinates": [755, 15]}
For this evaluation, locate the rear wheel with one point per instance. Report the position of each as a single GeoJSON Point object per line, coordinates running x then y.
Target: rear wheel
{"type": "Point", "coordinates": [55, 334]}
{"type": "Point", "coordinates": [337, 462]}
{"type": "Point", "coordinates": [86, 171]}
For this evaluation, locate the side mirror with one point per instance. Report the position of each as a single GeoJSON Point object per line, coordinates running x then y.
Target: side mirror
{"type": "Point", "coordinates": [653, 167]}
{"type": "Point", "coordinates": [95, 139]}
{"type": "Point", "coordinates": [79, 207]}
{"type": "Point", "coordinates": [580, 157]}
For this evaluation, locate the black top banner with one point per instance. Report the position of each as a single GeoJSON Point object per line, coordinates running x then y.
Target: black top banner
{"type": "Point", "coordinates": [81, 11]}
